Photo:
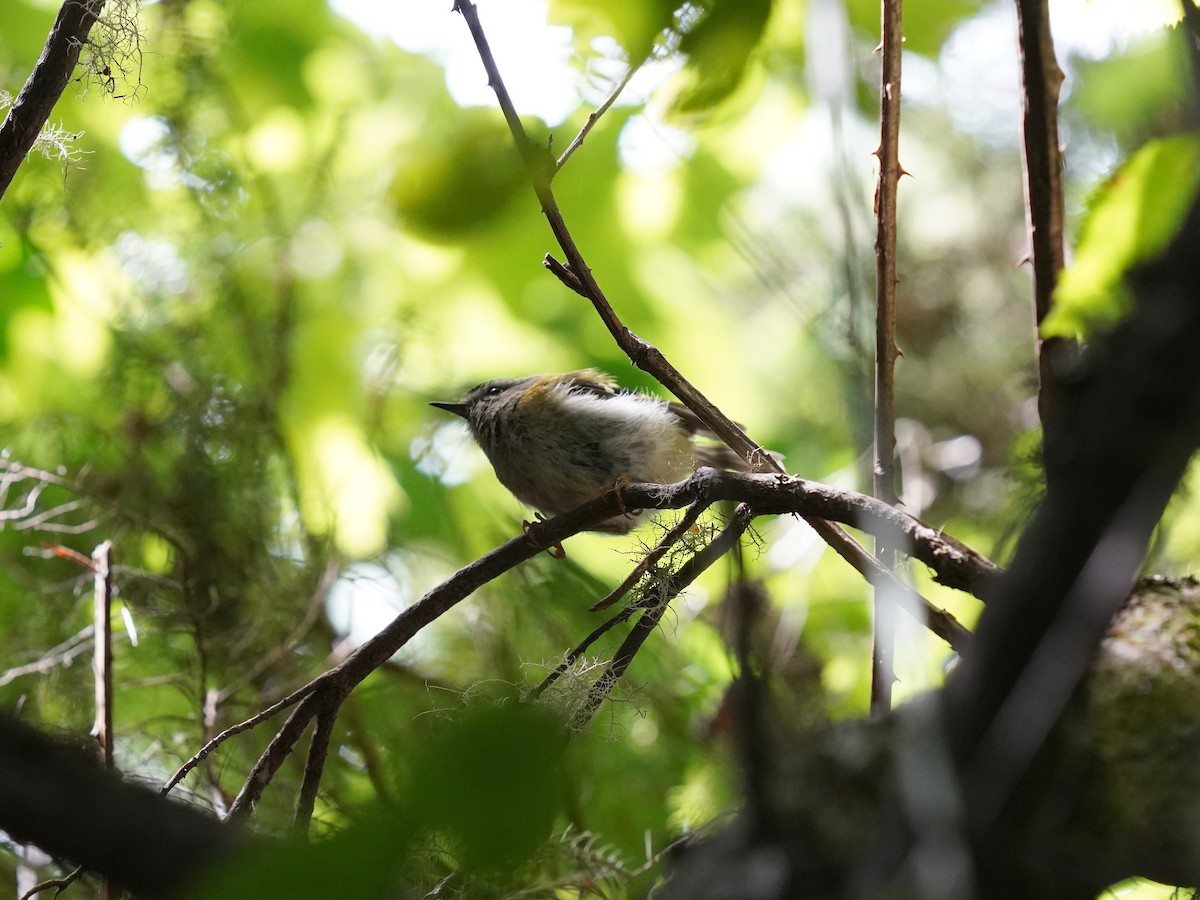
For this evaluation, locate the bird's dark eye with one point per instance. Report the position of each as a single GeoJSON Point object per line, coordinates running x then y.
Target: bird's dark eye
{"type": "Point", "coordinates": [494, 391]}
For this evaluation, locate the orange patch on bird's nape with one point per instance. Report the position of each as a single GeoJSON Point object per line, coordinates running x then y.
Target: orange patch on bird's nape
{"type": "Point", "coordinates": [537, 390]}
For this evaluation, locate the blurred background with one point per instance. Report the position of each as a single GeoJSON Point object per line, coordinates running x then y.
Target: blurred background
{"type": "Point", "coordinates": [262, 236]}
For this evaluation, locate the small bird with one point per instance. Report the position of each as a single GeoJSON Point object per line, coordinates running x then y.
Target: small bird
{"type": "Point", "coordinates": [556, 441]}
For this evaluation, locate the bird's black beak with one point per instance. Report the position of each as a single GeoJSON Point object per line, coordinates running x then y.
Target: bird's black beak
{"type": "Point", "coordinates": [459, 409]}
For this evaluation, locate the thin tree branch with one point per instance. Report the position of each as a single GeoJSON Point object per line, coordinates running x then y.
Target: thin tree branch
{"type": "Point", "coordinates": [667, 591]}
{"type": "Point", "coordinates": [103, 729]}
{"type": "Point", "coordinates": [1041, 81]}
{"type": "Point", "coordinates": [102, 624]}
{"type": "Point", "coordinates": [582, 647]}
{"type": "Point", "coordinates": [62, 654]}
{"type": "Point", "coordinates": [594, 118]}
{"type": "Point", "coordinates": [669, 540]}
{"type": "Point", "coordinates": [58, 884]}
{"type": "Point", "coordinates": [883, 673]}
{"type": "Point", "coordinates": [314, 767]}
{"type": "Point", "coordinates": [45, 84]}
{"type": "Point", "coordinates": [261, 716]}
{"type": "Point", "coordinates": [277, 752]}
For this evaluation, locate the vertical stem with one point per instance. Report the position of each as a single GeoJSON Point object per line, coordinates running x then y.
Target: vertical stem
{"type": "Point", "coordinates": [102, 612]}
{"type": "Point", "coordinates": [102, 561]}
{"type": "Point", "coordinates": [1041, 80]}
{"type": "Point", "coordinates": [882, 664]}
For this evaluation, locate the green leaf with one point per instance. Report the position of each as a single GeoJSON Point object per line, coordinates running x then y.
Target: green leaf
{"type": "Point", "coordinates": [635, 26]}
{"type": "Point", "coordinates": [1129, 221]}
{"type": "Point", "coordinates": [719, 47]}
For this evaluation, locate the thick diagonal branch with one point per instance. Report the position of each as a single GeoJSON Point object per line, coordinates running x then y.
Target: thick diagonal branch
{"type": "Point", "coordinates": [45, 84]}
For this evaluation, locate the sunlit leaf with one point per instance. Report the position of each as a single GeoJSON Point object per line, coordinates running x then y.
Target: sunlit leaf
{"type": "Point", "coordinates": [634, 26]}
{"type": "Point", "coordinates": [1129, 221]}
{"type": "Point", "coordinates": [718, 47]}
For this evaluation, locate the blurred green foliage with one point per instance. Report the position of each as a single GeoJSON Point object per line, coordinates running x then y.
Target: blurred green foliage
{"type": "Point", "coordinates": [280, 236]}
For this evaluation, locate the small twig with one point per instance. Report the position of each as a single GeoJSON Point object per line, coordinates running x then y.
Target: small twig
{"type": "Point", "coordinates": [62, 654]}
{"type": "Point", "coordinates": [261, 716]}
{"type": "Point", "coordinates": [582, 648]}
{"type": "Point", "coordinates": [102, 730]}
{"type": "Point", "coordinates": [594, 118]}
{"type": "Point", "coordinates": [43, 520]}
{"type": "Point", "coordinates": [323, 703]}
{"type": "Point", "coordinates": [27, 508]}
{"type": "Point", "coordinates": [669, 590]}
{"type": "Point", "coordinates": [883, 672]}
{"type": "Point", "coordinates": [565, 275]}
{"type": "Point", "coordinates": [314, 767]}
{"type": "Point", "coordinates": [59, 884]}
{"type": "Point", "coordinates": [669, 540]}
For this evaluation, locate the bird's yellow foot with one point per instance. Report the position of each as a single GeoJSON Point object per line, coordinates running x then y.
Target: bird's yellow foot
{"type": "Point", "coordinates": [555, 549]}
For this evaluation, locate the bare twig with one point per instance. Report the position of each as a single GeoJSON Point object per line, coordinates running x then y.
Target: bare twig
{"type": "Point", "coordinates": [281, 746]}
{"type": "Point", "coordinates": [103, 729]}
{"type": "Point", "coordinates": [883, 673]}
{"type": "Point", "coordinates": [62, 654]}
{"type": "Point", "coordinates": [25, 509]}
{"type": "Point", "coordinates": [669, 540]}
{"type": "Point", "coordinates": [314, 766]}
{"type": "Point", "coordinates": [1041, 81]}
{"type": "Point", "coordinates": [45, 84]}
{"type": "Point", "coordinates": [594, 118]}
{"type": "Point", "coordinates": [102, 564]}
{"type": "Point", "coordinates": [667, 591]}
{"type": "Point", "coordinates": [57, 884]}
{"type": "Point", "coordinates": [261, 716]}
{"type": "Point", "coordinates": [582, 648]}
